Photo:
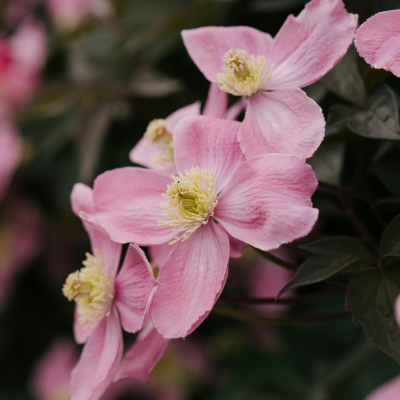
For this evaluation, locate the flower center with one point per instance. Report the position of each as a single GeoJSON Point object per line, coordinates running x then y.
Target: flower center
{"type": "Point", "coordinates": [156, 132]}
{"type": "Point", "coordinates": [244, 75]}
{"type": "Point", "coordinates": [92, 290]}
{"type": "Point", "coordinates": [191, 202]}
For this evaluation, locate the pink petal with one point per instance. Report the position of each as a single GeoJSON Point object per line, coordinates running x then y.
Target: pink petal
{"type": "Point", "coordinates": [10, 153]}
{"type": "Point", "coordinates": [127, 205]}
{"type": "Point", "coordinates": [388, 391]}
{"type": "Point", "coordinates": [268, 201]}
{"type": "Point", "coordinates": [191, 280]}
{"type": "Point", "coordinates": [187, 111]}
{"type": "Point", "coordinates": [99, 360]}
{"type": "Point", "coordinates": [217, 102]}
{"type": "Point", "coordinates": [82, 199]}
{"type": "Point", "coordinates": [134, 289]}
{"type": "Point", "coordinates": [285, 122]}
{"type": "Point", "coordinates": [208, 143]}
{"type": "Point", "coordinates": [234, 111]}
{"type": "Point", "coordinates": [159, 254]}
{"type": "Point", "coordinates": [207, 46]}
{"type": "Point", "coordinates": [143, 154]}
{"type": "Point", "coordinates": [309, 45]}
{"type": "Point", "coordinates": [81, 334]}
{"type": "Point", "coordinates": [236, 247]}
{"type": "Point", "coordinates": [378, 41]}
{"type": "Point", "coordinates": [143, 355]}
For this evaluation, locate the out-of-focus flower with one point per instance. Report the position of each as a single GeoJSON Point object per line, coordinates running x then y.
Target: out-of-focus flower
{"type": "Point", "coordinates": [105, 300]}
{"type": "Point", "coordinates": [20, 240]}
{"type": "Point", "coordinates": [388, 391]}
{"type": "Point", "coordinates": [264, 201]}
{"type": "Point", "coordinates": [17, 10]}
{"type": "Point", "coordinates": [69, 14]}
{"type": "Point", "coordinates": [21, 58]}
{"type": "Point", "coordinates": [280, 118]}
{"type": "Point", "coordinates": [378, 41]}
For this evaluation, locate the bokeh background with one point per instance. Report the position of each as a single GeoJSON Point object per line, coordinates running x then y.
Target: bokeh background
{"type": "Point", "coordinates": [104, 80]}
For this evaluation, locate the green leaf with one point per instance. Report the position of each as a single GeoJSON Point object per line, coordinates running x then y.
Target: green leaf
{"type": "Point", "coordinates": [339, 116]}
{"type": "Point", "coordinates": [381, 119]}
{"type": "Point", "coordinates": [333, 256]}
{"type": "Point", "coordinates": [345, 79]}
{"type": "Point", "coordinates": [390, 241]}
{"type": "Point", "coordinates": [389, 173]}
{"type": "Point", "coordinates": [372, 296]}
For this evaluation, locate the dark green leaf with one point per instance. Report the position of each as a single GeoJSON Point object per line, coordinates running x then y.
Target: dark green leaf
{"type": "Point", "coordinates": [334, 255]}
{"type": "Point", "coordinates": [389, 173]}
{"type": "Point", "coordinates": [372, 295]}
{"type": "Point", "coordinates": [390, 241]}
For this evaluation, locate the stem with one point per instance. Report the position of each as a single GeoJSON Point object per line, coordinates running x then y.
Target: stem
{"type": "Point", "coordinates": [284, 301]}
{"type": "Point", "coordinates": [286, 320]}
{"type": "Point", "coordinates": [276, 260]}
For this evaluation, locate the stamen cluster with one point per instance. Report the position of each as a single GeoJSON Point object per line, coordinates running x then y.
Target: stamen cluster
{"type": "Point", "coordinates": [92, 290]}
{"type": "Point", "coordinates": [244, 75]}
{"type": "Point", "coordinates": [156, 132]}
{"type": "Point", "coordinates": [191, 202]}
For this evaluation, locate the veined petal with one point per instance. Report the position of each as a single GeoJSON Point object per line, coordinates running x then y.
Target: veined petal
{"type": "Point", "coordinates": [285, 122]}
{"type": "Point", "coordinates": [188, 111]}
{"type": "Point", "coordinates": [268, 201]}
{"type": "Point", "coordinates": [217, 102]}
{"type": "Point", "coordinates": [388, 391]}
{"type": "Point", "coordinates": [378, 41]}
{"type": "Point", "coordinates": [191, 280]}
{"type": "Point", "coordinates": [207, 46]}
{"type": "Point", "coordinates": [99, 360]}
{"type": "Point", "coordinates": [127, 205]}
{"type": "Point", "coordinates": [159, 254]}
{"type": "Point", "coordinates": [208, 143]}
{"type": "Point", "coordinates": [134, 289]}
{"type": "Point", "coordinates": [309, 45]}
{"type": "Point", "coordinates": [143, 355]}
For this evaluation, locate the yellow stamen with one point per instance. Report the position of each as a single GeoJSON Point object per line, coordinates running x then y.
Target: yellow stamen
{"type": "Point", "coordinates": [156, 133]}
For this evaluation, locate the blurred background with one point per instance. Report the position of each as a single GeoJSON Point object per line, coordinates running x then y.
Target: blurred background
{"type": "Point", "coordinates": [81, 80]}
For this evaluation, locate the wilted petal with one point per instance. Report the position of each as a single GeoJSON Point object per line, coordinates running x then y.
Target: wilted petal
{"type": "Point", "coordinates": [284, 122]}
{"type": "Point", "coordinates": [268, 201]}
{"type": "Point", "coordinates": [191, 280]}
{"type": "Point", "coordinates": [378, 41]}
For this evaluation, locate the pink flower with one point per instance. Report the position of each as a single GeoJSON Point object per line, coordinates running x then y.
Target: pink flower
{"type": "Point", "coordinates": [156, 149]}
{"type": "Point", "coordinates": [105, 300]}
{"type": "Point", "coordinates": [21, 58]}
{"type": "Point", "coordinates": [378, 41]}
{"type": "Point", "coordinates": [388, 391]}
{"type": "Point", "coordinates": [264, 201]}
{"type": "Point", "coordinates": [280, 118]}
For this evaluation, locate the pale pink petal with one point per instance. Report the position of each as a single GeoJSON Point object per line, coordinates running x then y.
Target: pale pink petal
{"type": "Point", "coordinates": [143, 355]}
{"type": "Point", "coordinates": [143, 154]}
{"type": "Point", "coordinates": [378, 41]}
{"type": "Point", "coordinates": [82, 199]}
{"type": "Point", "coordinates": [388, 391]}
{"type": "Point", "coordinates": [52, 373]}
{"type": "Point", "coordinates": [285, 122]}
{"type": "Point", "coordinates": [268, 201]}
{"type": "Point", "coordinates": [188, 111]}
{"type": "Point", "coordinates": [134, 289]}
{"type": "Point", "coordinates": [81, 334]}
{"type": "Point", "coordinates": [207, 46]}
{"type": "Point", "coordinates": [159, 254]}
{"type": "Point", "coordinates": [10, 153]}
{"type": "Point", "coordinates": [309, 45]}
{"type": "Point", "coordinates": [99, 360]}
{"type": "Point", "coordinates": [236, 247]}
{"type": "Point", "coordinates": [217, 102]}
{"type": "Point", "coordinates": [127, 205]}
{"type": "Point", "coordinates": [236, 109]}
{"type": "Point", "coordinates": [208, 143]}
{"type": "Point", "coordinates": [191, 280]}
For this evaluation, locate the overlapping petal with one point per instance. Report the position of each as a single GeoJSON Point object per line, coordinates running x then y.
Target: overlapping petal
{"type": "Point", "coordinates": [285, 122]}
{"type": "Point", "coordinates": [134, 289]}
{"type": "Point", "coordinates": [309, 45]}
{"type": "Point", "coordinates": [188, 111]}
{"type": "Point", "coordinates": [378, 41]}
{"type": "Point", "coordinates": [191, 280]}
{"type": "Point", "coordinates": [217, 102]}
{"type": "Point", "coordinates": [267, 201]}
{"type": "Point", "coordinates": [208, 143]}
{"type": "Point", "coordinates": [127, 205]}
{"type": "Point", "coordinates": [159, 254]}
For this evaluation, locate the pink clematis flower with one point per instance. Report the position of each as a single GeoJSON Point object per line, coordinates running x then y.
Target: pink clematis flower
{"type": "Point", "coordinates": [264, 201]}
{"type": "Point", "coordinates": [388, 391]}
{"type": "Point", "coordinates": [156, 149]}
{"type": "Point", "coordinates": [378, 41]}
{"type": "Point", "coordinates": [105, 300]}
{"type": "Point", "coordinates": [280, 118]}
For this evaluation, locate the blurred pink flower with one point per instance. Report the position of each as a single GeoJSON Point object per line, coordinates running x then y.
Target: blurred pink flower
{"type": "Point", "coordinates": [105, 300]}
{"type": "Point", "coordinates": [17, 10]}
{"type": "Point", "coordinates": [388, 391]}
{"type": "Point", "coordinates": [378, 41]}
{"type": "Point", "coordinates": [264, 201]}
{"type": "Point", "coordinates": [21, 58]}
{"type": "Point", "coordinates": [280, 118]}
